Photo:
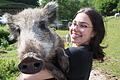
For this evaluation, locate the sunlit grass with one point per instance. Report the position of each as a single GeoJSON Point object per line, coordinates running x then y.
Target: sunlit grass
{"type": "Point", "coordinates": [62, 33]}
{"type": "Point", "coordinates": [112, 39]}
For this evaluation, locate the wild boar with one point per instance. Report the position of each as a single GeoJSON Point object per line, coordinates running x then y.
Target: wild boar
{"type": "Point", "coordinates": [38, 46]}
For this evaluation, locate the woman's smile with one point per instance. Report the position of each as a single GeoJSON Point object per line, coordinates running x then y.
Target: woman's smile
{"type": "Point", "coordinates": [75, 35]}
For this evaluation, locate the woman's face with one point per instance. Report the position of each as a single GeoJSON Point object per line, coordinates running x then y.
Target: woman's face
{"type": "Point", "coordinates": [81, 30]}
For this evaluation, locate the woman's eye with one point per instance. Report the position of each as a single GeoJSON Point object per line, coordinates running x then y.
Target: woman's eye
{"type": "Point", "coordinates": [74, 24]}
{"type": "Point", "coordinates": [83, 26]}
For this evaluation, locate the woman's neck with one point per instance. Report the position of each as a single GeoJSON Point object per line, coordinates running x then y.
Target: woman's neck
{"type": "Point", "coordinates": [78, 45]}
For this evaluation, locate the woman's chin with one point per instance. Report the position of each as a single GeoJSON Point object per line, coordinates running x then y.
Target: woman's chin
{"type": "Point", "coordinates": [76, 42]}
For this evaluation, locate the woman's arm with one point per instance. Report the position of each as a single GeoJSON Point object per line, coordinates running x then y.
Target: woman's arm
{"type": "Point", "coordinates": [42, 75]}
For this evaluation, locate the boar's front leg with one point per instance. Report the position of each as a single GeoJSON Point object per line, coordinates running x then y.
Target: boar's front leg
{"type": "Point", "coordinates": [63, 59]}
{"type": "Point", "coordinates": [56, 72]}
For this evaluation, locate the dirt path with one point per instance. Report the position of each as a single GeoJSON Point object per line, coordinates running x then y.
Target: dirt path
{"type": "Point", "coordinates": [97, 74]}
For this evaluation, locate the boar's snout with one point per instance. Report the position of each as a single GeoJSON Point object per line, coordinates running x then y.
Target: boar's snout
{"type": "Point", "coordinates": [30, 64]}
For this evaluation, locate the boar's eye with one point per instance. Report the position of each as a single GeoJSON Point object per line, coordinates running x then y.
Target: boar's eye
{"type": "Point", "coordinates": [42, 25]}
{"type": "Point", "coordinates": [14, 28]}
{"type": "Point", "coordinates": [14, 32]}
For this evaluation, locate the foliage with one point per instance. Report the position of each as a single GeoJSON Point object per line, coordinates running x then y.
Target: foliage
{"type": "Point", "coordinates": [67, 8]}
{"type": "Point", "coordinates": [3, 43]}
{"type": "Point", "coordinates": [30, 2]}
{"type": "Point", "coordinates": [43, 2]}
{"type": "Point", "coordinates": [4, 40]}
{"type": "Point", "coordinates": [106, 7]}
{"type": "Point", "coordinates": [118, 7]}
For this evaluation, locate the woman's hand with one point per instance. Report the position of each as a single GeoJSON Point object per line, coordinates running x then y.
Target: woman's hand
{"type": "Point", "coordinates": [42, 75]}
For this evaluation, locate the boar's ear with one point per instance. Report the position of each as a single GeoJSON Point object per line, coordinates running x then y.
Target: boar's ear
{"type": "Point", "coordinates": [51, 10]}
{"type": "Point", "coordinates": [6, 18]}
{"type": "Point", "coordinates": [14, 32]}
{"type": "Point", "coordinates": [13, 29]}
{"type": "Point", "coordinates": [62, 58]}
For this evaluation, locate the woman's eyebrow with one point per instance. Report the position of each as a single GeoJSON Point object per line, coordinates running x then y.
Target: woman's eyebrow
{"type": "Point", "coordinates": [84, 23]}
{"type": "Point", "coordinates": [81, 22]}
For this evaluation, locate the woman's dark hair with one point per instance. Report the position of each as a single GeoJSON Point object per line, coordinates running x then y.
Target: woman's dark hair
{"type": "Point", "coordinates": [99, 29]}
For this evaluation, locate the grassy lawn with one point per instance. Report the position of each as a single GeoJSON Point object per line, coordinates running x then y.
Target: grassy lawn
{"type": "Point", "coordinates": [112, 39]}
{"type": "Point", "coordinates": [111, 64]}
{"type": "Point", "coordinates": [62, 33]}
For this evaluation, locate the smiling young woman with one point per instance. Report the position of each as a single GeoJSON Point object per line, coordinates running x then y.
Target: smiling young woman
{"type": "Point", "coordinates": [81, 30]}
{"type": "Point", "coordinates": [87, 32]}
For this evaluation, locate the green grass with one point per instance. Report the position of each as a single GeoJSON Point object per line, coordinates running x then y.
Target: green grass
{"type": "Point", "coordinates": [8, 65]}
{"type": "Point", "coordinates": [112, 59]}
{"type": "Point", "coordinates": [2, 27]}
{"type": "Point", "coordinates": [8, 60]}
{"type": "Point", "coordinates": [62, 33]}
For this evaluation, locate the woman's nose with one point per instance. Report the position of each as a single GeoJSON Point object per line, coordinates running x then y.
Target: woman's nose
{"type": "Point", "coordinates": [81, 30]}
{"type": "Point", "coordinates": [74, 27]}
{"type": "Point", "coordinates": [77, 28]}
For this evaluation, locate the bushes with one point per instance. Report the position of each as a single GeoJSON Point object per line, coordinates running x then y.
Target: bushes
{"type": "Point", "coordinates": [106, 7]}
{"type": "Point", "coordinates": [4, 40]}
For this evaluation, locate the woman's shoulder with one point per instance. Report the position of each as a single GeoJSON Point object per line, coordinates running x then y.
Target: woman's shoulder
{"type": "Point", "coordinates": [80, 59]}
{"type": "Point", "coordinates": [80, 50]}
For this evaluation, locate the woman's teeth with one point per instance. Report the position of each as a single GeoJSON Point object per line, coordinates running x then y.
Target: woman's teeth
{"type": "Point", "coordinates": [75, 35]}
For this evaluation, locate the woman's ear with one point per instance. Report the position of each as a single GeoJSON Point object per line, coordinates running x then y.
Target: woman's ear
{"type": "Point", "coordinates": [93, 34]}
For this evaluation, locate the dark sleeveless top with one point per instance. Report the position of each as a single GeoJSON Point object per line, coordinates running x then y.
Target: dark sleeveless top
{"type": "Point", "coordinates": [80, 59]}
